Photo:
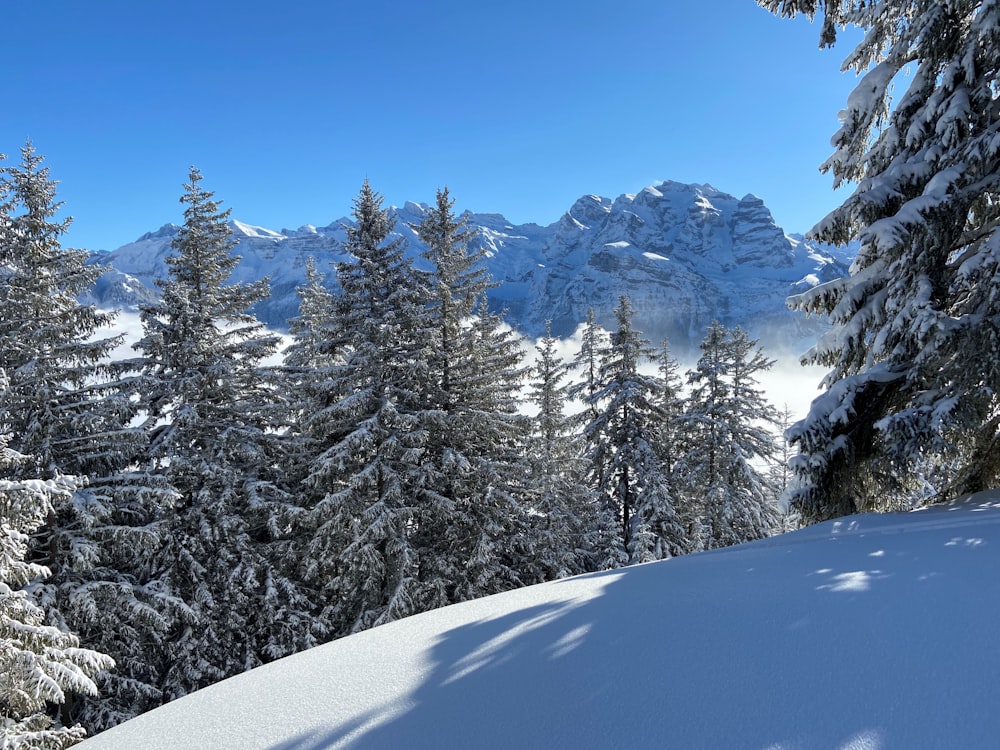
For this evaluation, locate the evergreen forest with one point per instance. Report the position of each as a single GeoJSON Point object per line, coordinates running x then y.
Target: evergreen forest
{"type": "Point", "coordinates": [217, 500]}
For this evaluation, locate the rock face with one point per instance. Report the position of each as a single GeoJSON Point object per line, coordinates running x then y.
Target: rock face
{"type": "Point", "coordinates": [685, 254]}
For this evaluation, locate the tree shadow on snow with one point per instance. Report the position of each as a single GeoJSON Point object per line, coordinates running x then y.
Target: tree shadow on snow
{"type": "Point", "coordinates": [860, 641]}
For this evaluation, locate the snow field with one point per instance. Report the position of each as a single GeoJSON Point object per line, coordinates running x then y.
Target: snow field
{"type": "Point", "coordinates": [868, 633]}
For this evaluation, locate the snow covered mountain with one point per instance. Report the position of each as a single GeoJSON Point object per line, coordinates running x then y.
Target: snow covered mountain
{"type": "Point", "coordinates": [872, 632]}
{"type": "Point", "coordinates": [685, 254]}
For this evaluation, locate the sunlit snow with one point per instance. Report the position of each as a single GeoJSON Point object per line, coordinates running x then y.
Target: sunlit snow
{"type": "Point", "coordinates": [874, 632]}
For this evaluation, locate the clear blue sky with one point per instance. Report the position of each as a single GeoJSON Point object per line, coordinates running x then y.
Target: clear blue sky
{"type": "Point", "coordinates": [519, 107]}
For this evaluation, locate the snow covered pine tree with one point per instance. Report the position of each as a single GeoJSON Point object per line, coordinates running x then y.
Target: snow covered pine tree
{"type": "Point", "coordinates": [639, 520]}
{"type": "Point", "coordinates": [587, 363]}
{"type": "Point", "coordinates": [478, 543]}
{"type": "Point", "coordinates": [559, 493]}
{"type": "Point", "coordinates": [70, 408]}
{"type": "Point", "coordinates": [357, 366]}
{"type": "Point", "coordinates": [727, 422]}
{"type": "Point", "coordinates": [912, 402]}
{"type": "Point", "coordinates": [209, 410]}
{"type": "Point", "coordinates": [39, 664]}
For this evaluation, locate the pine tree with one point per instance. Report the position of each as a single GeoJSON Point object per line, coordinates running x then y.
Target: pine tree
{"type": "Point", "coordinates": [476, 539]}
{"type": "Point", "coordinates": [587, 362]}
{"type": "Point", "coordinates": [728, 418]}
{"type": "Point", "coordinates": [672, 404]}
{"type": "Point", "coordinates": [585, 368]}
{"type": "Point", "coordinates": [912, 394]}
{"type": "Point", "coordinates": [315, 339]}
{"type": "Point", "coordinates": [363, 429]}
{"type": "Point", "coordinates": [780, 473]}
{"type": "Point", "coordinates": [560, 496]}
{"type": "Point", "coordinates": [40, 665]}
{"type": "Point", "coordinates": [209, 409]}
{"type": "Point", "coordinates": [309, 364]}
{"type": "Point", "coordinates": [72, 409]}
{"type": "Point", "coordinates": [48, 354]}
{"type": "Point", "coordinates": [674, 442]}
{"type": "Point", "coordinates": [640, 518]}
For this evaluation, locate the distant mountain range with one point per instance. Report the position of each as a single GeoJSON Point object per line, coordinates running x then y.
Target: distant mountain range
{"type": "Point", "coordinates": [685, 255]}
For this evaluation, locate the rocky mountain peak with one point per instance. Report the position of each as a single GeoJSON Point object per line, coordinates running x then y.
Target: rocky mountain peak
{"type": "Point", "coordinates": [685, 254]}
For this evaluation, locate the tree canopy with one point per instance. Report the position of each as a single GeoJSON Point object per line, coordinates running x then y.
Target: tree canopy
{"type": "Point", "coordinates": [911, 406]}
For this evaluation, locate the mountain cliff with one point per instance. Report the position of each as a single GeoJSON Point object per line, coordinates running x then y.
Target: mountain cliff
{"type": "Point", "coordinates": [685, 254]}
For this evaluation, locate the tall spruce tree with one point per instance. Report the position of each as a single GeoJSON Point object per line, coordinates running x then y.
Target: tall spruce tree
{"type": "Point", "coordinates": [49, 353]}
{"type": "Point", "coordinates": [309, 363]}
{"type": "Point", "coordinates": [71, 408]}
{"type": "Point", "coordinates": [729, 419]}
{"type": "Point", "coordinates": [40, 665]}
{"type": "Point", "coordinates": [673, 442]}
{"type": "Point", "coordinates": [912, 393]}
{"type": "Point", "coordinates": [640, 518]}
{"type": "Point", "coordinates": [559, 492]}
{"type": "Point", "coordinates": [672, 404]}
{"type": "Point", "coordinates": [209, 409]}
{"type": "Point", "coordinates": [363, 429]}
{"type": "Point", "coordinates": [477, 541]}
{"type": "Point", "coordinates": [316, 340]}
{"type": "Point", "coordinates": [587, 365]}
{"type": "Point", "coordinates": [780, 473]}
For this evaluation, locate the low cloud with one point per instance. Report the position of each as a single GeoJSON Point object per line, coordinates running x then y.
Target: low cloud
{"type": "Point", "coordinates": [788, 384]}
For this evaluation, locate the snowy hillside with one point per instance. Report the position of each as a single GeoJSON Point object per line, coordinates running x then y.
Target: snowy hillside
{"type": "Point", "coordinates": [686, 254]}
{"type": "Point", "coordinates": [868, 633]}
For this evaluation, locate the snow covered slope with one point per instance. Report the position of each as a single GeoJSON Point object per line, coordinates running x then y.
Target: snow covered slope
{"type": "Point", "coordinates": [686, 254]}
{"type": "Point", "coordinates": [868, 633]}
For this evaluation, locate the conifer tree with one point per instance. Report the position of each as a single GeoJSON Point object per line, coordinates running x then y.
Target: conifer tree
{"type": "Point", "coordinates": [587, 363]}
{"type": "Point", "coordinates": [560, 496]}
{"type": "Point", "coordinates": [209, 410]}
{"type": "Point", "coordinates": [728, 418]}
{"type": "Point", "coordinates": [40, 665]}
{"type": "Point", "coordinates": [315, 339]}
{"type": "Point", "coordinates": [71, 408]}
{"type": "Point", "coordinates": [364, 429]}
{"type": "Point", "coordinates": [49, 355]}
{"type": "Point", "coordinates": [780, 473]}
{"type": "Point", "coordinates": [674, 442]}
{"type": "Point", "coordinates": [309, 364]}
{"type": "Point", "coordinates": [912, 393]}
{"type": "Point", "coordinates": [640, 522]}
{"type": "Point", "coordinates": [476, 540]}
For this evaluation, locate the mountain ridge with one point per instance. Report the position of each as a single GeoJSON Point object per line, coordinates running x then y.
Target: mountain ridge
{"type": "Point", "coordinates": [685, 253]}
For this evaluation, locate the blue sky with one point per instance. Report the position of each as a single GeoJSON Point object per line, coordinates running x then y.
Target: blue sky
{"type": "Point", "coordinates": [518, 107]}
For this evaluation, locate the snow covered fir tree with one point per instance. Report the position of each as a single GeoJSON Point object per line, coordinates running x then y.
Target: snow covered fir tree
{"type": "Point", "coordinates": [910, 412]}
{"type": "Point", "coordinates": [69, 407]}
{"type": "Point", "coordinates": [40, 665]}
{"type": "Point", "coordinates": [356, 369]}
{"type": "Point", "coordinates": [480, 533]}
{"type": "Point", "coordinates": [567, 532]}
{"type": "Point", "coordinates": [208, 409]}
{"type": "Point", "coordinates": [638, 513]}
{"type": "Point", "coordinates": [726, 423]}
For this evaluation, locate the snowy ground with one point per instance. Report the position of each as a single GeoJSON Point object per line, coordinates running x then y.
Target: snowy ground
{"type": "Point", "coordinates": [868, 633]}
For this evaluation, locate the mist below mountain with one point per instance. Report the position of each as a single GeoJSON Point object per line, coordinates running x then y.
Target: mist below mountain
{"type": "Point", "coordinates": [684, 254]}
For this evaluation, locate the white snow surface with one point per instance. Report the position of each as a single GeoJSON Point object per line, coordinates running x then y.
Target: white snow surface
{"type": "Point", "coordinates": [874, 631]}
